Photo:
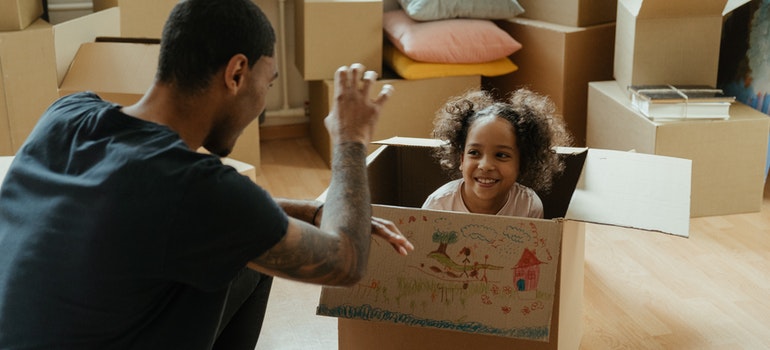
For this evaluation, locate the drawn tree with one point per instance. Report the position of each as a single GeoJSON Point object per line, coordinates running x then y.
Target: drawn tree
{"type": "Point", "coordinates": [444, 239]}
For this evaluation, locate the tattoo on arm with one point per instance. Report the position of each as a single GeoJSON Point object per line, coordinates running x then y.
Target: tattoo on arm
{"type": "Point", "coordinates": [335, 254]}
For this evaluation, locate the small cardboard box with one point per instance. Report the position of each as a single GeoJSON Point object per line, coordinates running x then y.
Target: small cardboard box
{"type": "Point", "coordinates": [728, 156]}
{"type": "Point", "coordinates": [144, 18]}
{"type": "Point", "coordinates": [520, 282]}
{"type": "Point", "coordinates": [27, 82]}
{"type": "Point", "coordinates": [669, 42]}
{"type": "Point", "coordinates": [574, 13]}
{"type": "Point", "coordinates": [558, 61]}
{"type": "Point", "coordinates": [409, 111]}
{"type": "Point", "coordinates": [333, 33]}
{"type": "Point", "coordinates": [19, 14]}
{"type": "Point", "coordinates": [122, 72]}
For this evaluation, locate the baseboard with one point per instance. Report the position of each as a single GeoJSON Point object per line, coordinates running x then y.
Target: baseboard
{"type": "Point", "coordinates": [286, 131]}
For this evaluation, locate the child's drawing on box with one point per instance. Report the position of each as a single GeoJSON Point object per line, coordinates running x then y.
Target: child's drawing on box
{"type": "Point", "coordinates": [500, 153]}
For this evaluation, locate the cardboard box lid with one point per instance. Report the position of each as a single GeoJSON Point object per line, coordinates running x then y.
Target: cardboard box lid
{"type": "Point", "coordinates": [628, 189]}
{"type": "Point", "coordinates": [673, 9]}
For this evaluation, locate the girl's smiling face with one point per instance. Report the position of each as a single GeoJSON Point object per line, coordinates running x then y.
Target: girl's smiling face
{"type": "Point", "coordinates": [489, 164]}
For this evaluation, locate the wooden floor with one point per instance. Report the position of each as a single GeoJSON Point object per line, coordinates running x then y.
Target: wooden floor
{"type": "Point", "coordinates": [642, 290]}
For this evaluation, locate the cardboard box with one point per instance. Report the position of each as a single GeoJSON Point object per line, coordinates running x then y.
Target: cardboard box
{"type": "Point", "coordinates": [574, 13]}
{"type": "Point", "coordinates": [27, 82]}
{"type": "Point", "coordinates": [558, 61]}
{"type": "Point", "coordinates": [144, 18]}
{"type": "Point", "coordinates": [19, 14]}
{"type": "Point", "coordinates": [669, 42]}
{"type": "Point", "coordinates": [414, 302]}
{"type": "Point", "coordinates": [409, 111]}
{"type": "Point", "coordinates": [728, 155]}
{"type": "Point", "coordinates": [333, 33]}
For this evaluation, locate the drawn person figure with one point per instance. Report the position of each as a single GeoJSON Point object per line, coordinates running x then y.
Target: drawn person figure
{"type": "Point", "coordinates": [116, 234]}
{"type": "Point", "coordinates": [500, 152]}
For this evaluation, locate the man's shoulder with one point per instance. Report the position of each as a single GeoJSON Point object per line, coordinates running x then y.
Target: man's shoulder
{"type": "Point", "coordinates": [78, 98]}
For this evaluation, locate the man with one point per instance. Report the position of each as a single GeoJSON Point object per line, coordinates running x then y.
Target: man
{"type": "Point", "coordinates": [116, 234]}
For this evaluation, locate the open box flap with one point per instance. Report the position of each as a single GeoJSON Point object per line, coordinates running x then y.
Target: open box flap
{"type": "Point", "coordinates": [636, 190]}
{"type": "Point", "coordinates": [673, 9]}
{"type": "Point", "coordinates": [410, 141]}
{"type": "Point", "coordinates": [129, 66]}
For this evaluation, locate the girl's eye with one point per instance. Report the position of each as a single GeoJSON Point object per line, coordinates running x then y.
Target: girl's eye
{"type": "Point", "coordinates": [473, 152]}
{"type": "Point", "coordinates": [503, 155]}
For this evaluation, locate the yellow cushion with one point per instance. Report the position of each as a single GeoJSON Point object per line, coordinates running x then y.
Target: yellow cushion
{"type": "Point", "coordinates": [408, 68]}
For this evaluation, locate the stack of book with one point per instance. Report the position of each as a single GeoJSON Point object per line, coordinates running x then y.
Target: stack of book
{"type": "Point", "coordinates": [669, 102]}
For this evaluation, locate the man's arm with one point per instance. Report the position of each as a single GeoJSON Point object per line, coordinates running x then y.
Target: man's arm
{"type": "Point", "coordinates": [338, 251]}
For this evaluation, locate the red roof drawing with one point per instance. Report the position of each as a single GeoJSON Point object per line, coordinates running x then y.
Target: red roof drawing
{"type": "Point", "coordinates": [528, 259]}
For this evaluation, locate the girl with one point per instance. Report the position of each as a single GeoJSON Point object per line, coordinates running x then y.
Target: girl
{"type": "Point", "coordinates": [500, 153]}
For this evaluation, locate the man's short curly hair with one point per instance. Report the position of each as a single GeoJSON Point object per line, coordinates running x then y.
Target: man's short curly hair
{"type": "Point", "coordinates": [533, 119]}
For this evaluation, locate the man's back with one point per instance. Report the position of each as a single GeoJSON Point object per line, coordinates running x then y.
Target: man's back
{"type": "Point", "coordinates": [106, 225]}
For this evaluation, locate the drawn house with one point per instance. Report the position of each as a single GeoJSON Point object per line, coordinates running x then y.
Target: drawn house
{"type": "Point", "coordinates": [526, 273]}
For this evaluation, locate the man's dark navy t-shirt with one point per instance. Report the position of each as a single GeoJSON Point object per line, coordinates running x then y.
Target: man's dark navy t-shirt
{"type": "Point", "coordinates": [115, 235]}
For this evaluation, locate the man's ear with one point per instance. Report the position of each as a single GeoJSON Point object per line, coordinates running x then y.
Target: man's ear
{"type": "Point", "coordinates": [235, 70]}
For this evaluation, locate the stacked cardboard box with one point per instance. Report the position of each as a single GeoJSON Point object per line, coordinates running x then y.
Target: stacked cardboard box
{"type": "Point", "coordinates": [565, 45]}
{"type": "Point", "coordinates": [728, 155]}
{"type": "Point", "coordinates": [664, 42]}
{"type": "Point", "coordinates": [332, 33]}
{"type": "Point", "coordinates": [558, 61]}
{"type": "Point", "coordinates": [27, 70]}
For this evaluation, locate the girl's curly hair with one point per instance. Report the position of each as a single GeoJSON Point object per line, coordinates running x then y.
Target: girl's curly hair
{"type": "Point", "coordinates": [533, 119]}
